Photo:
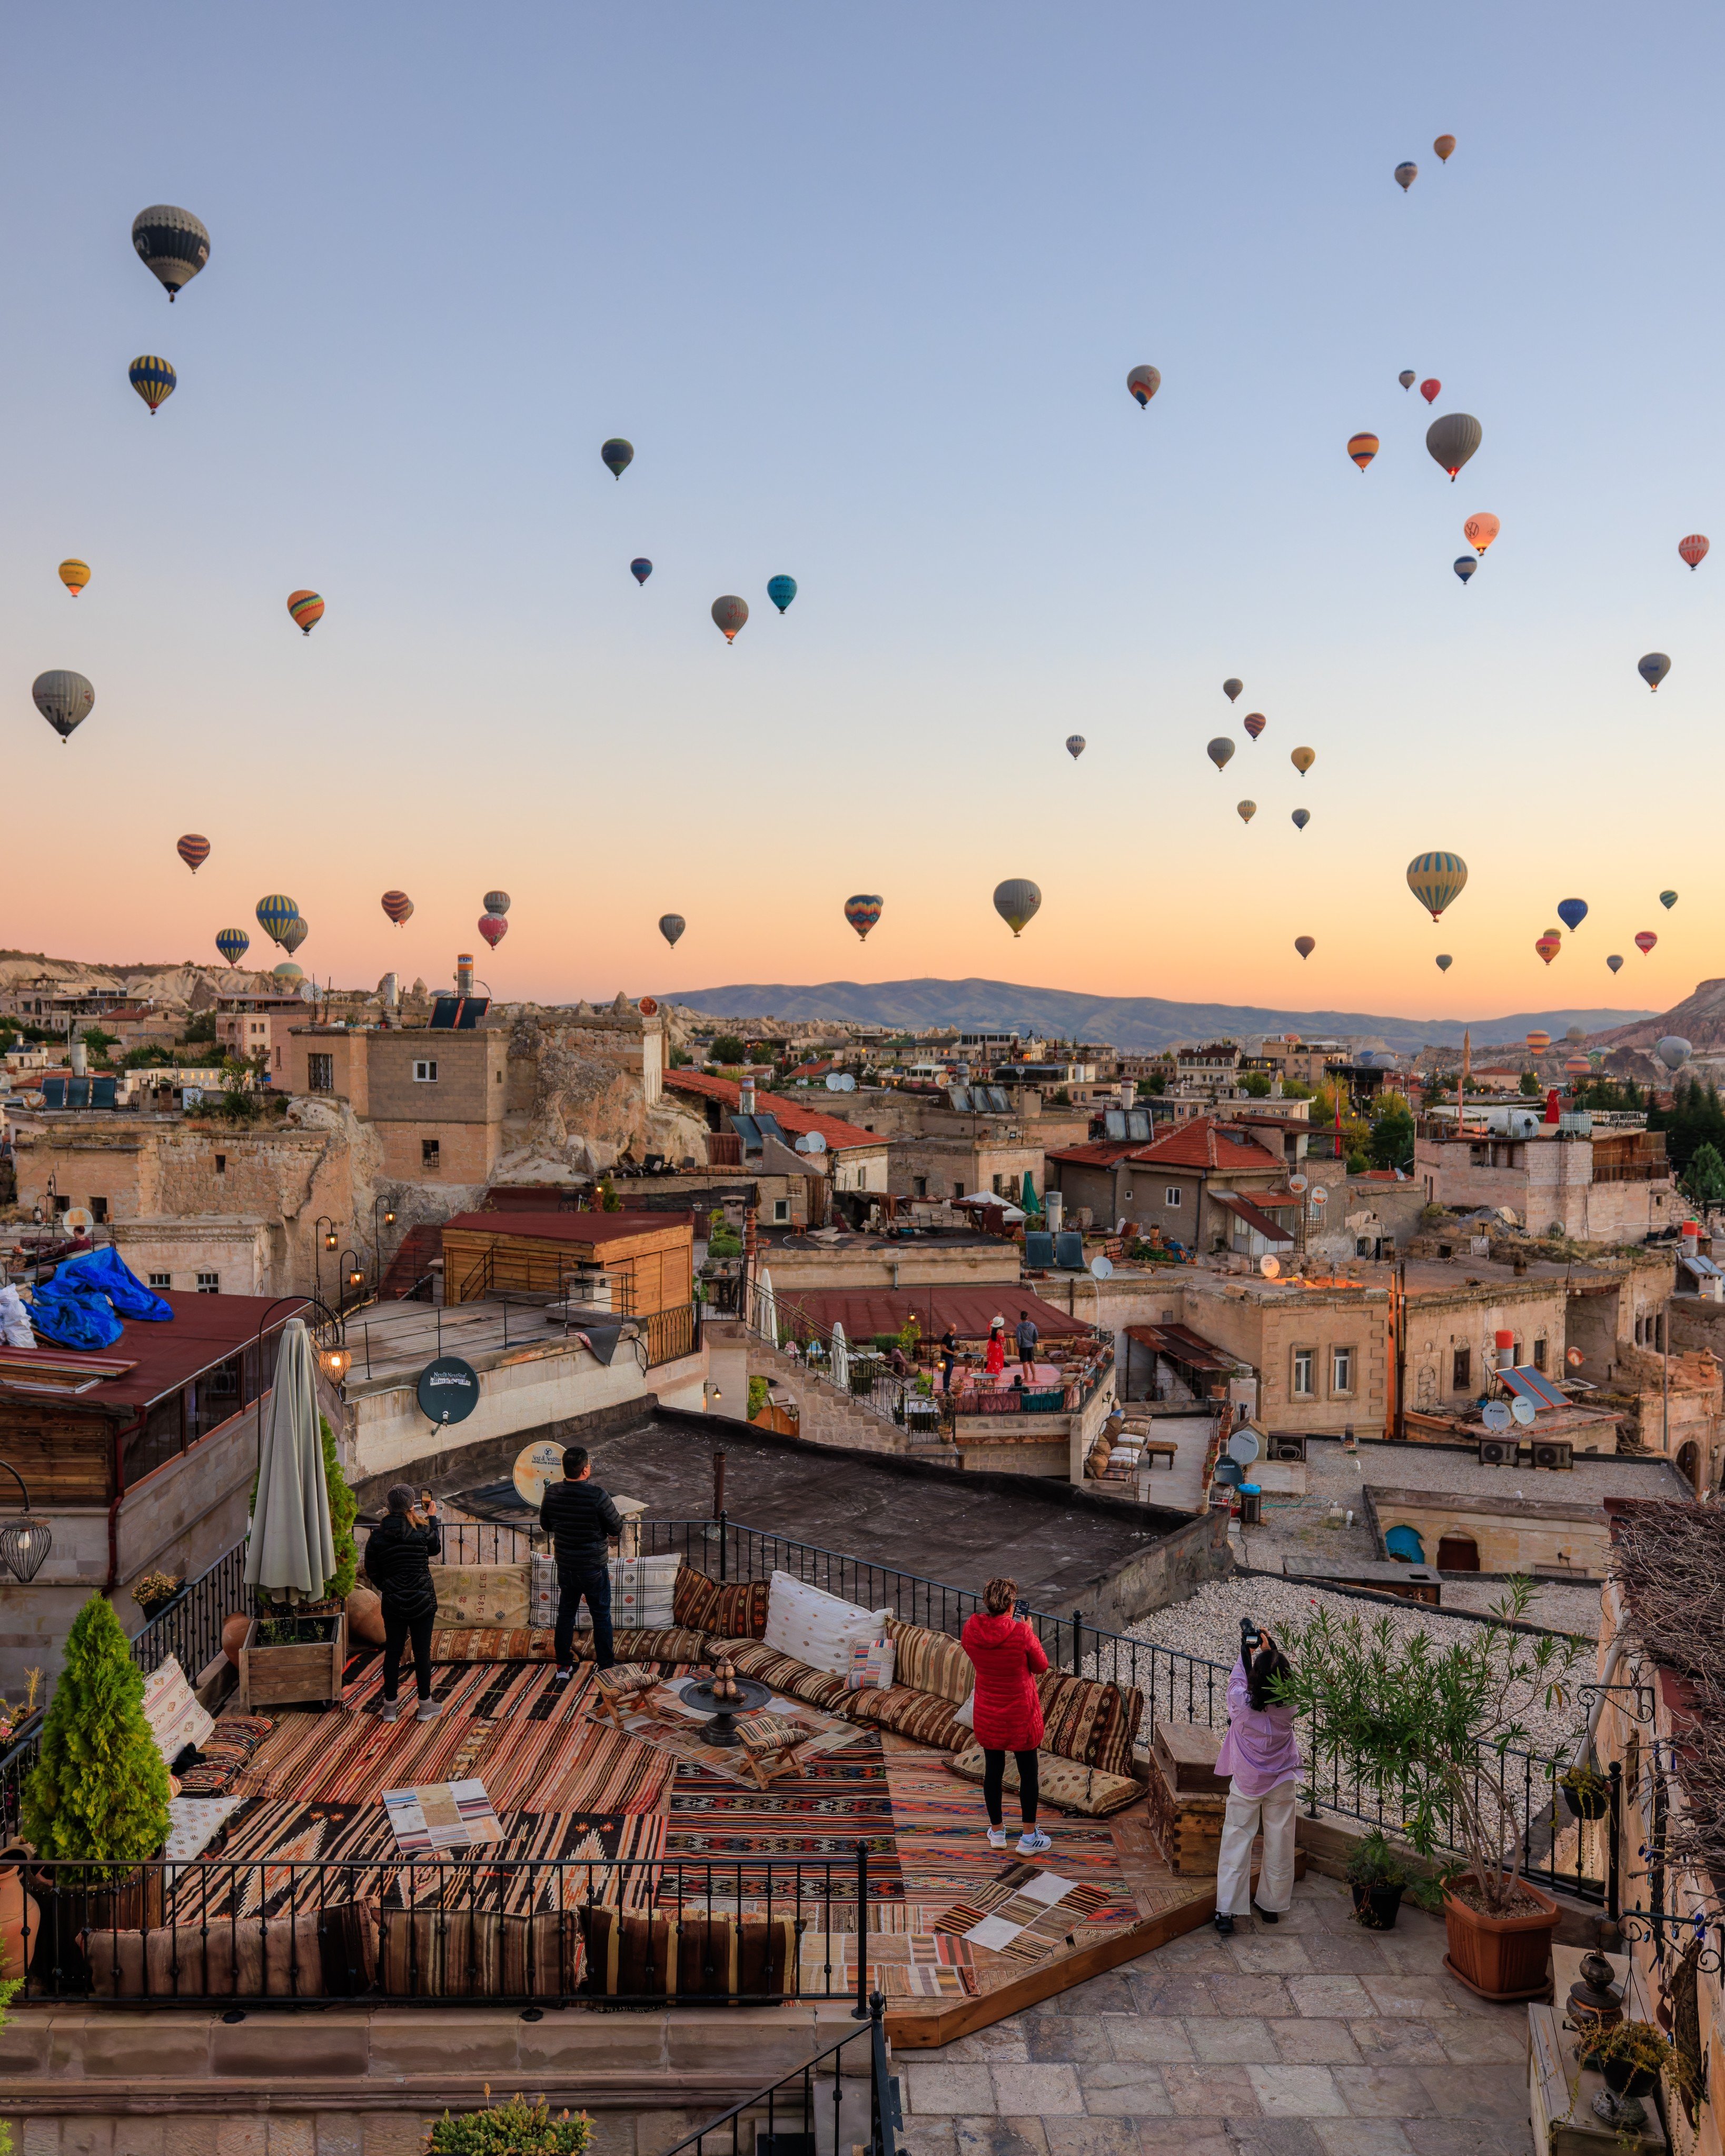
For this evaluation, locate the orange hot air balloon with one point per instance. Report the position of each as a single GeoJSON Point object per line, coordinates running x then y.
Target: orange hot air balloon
{"type": "Point", "coordinates": [1538, 1042]}
{"type": "Point", "coordinates": [1362, 448]}
{"type": "Point", "coordinates": [1480, 530]}
{"type": "Point", "coordinates": [1430, 390]}
{"type": "Point", "coordinates": [1548, 945]}
{"type": "Point", "coordinates": [1444, 147]}
{"type": "Point", "coordinates": [1645, 940]}
{"type": "Point", "coordinates": [1693, 549]}
{"type": "Point", "coordinates": [1302, 759]}
{"type": "Point", "coordinates": [193, 850]}
{"type": "Point", "coordinates": [398, 907]}
{"type": "Point", "coordinates": [306, 609]}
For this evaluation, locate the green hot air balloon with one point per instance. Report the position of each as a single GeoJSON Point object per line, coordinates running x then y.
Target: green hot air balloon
{"type": "Point", "coordinates": [617, 455]}
{"type": "Point", "coordinates": [65, 699]}
{"type": "Point", "coordinates": [1667, 899]}
{"type": "Point", "coordinates": [1220, 750]}
{"type": "Point", "coordinates": [1436, 878]}
{"type": "Point", "coordinates": [1232, 686]}
{"type": "Point", "coordinates": [1017, 902]}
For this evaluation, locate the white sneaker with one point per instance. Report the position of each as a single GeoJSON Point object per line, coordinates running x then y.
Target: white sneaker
{"type": "Point", "coordinates": [429, 1709]}
{"type": "Point", "coordinates": [1032, 1842]}
{"type": "Point", "coordinates": [997, 1837]}
{"type": "Point", "coordinates": [389, 1710]}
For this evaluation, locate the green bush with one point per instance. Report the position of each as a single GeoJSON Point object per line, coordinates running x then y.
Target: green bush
{"type": "Point", "coordinates": [516, 2128]}
{"type": "Point", "coordinates": [344, 1510]}
{"type": "Point", "coordinates": [758, 1397]}
{"type": "Point", "coordinates": [99, 1789]}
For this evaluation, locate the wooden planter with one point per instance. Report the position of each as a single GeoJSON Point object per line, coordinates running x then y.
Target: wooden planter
{"type": "Point", "coordinates": [307, 1672]}
{"type": "Point", "coordinates": [1502, 1958]}
{"type": "Point", "coordinates": [1187, 1798]}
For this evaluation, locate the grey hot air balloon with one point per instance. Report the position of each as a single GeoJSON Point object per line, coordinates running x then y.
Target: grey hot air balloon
{"type": "Point", "coordinates": [1673, 1051]}
{"type": "Point", "coordinates": [294, 934]}
{"type": "Point", "coordinates": [1232, 686]}
{"type": "Point", "coordinates": [1075, 746]}
{"type": "Point", "coordinates": [1453, 438]}
{"type": "Point", "coordinates": [617, 455]}
{"type": "Point", "coordinates": [1017, 902]}
{"type": "Point", "coordinates": [1653, 669]}
{"type": "Point", "coordinates": [1306, 945]}
{"type": "Point", "coordinates": [670, 927]}
{"type": "Point", "coordinates": [1302, 818]}
{"type": "Point", "coordinates": [1143, 382]}
{"type": "Point", "coordinates": [1444, 962]}
{"type": "Point", "coordinates": [64, 700]}
{"type": "Point", "coordinates": [1220, 750]}
{"type": "Point", "coordinates": [730, 614]}
{"type": "Point", "coordinates": [171, 244]}
{"type": "Point", "coordinates": [1407, 377]}
{"type": "Point", "coordinates": [497, 902]}
{"type": "Point", "coordinates": [1615, 962]}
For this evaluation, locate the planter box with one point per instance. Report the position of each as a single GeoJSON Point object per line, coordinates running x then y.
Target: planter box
{"type": "Point", "coordinates": [306, 1672]}
{"type": "Point", "coordinates": [1505, 1958]}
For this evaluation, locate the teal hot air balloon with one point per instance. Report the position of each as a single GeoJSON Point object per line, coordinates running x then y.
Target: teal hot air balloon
{"type": "Point", "coordinates": [862, 912]}
{"type": "Point", "coordinates": [641, 568]}
{"type": "Point", "coordinates": [274, 913]}
{"type": "Point", "coordinates": [234, 943]}
{"type": "Point", "coordinates": [1444, 962]}
{"type": "Point", "coordinates": [1302, 818]}
{"type": "Point", "coordinates": [617, 455]}
{"type": "Point", "coordinates": [1464, 566]}
{"type": "Point", "coordinates": [780, 590]}
{"type": "Point", "coordinates": [1572, 911]}
{"type": "Point", "coordinates": [1017, 902]}
{"type": "Point", "coordinates": [1667, 899]}
{"type": "Point", "coordinates": [1436, 878]}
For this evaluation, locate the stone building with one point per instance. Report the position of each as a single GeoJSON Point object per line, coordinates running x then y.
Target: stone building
{"type": "Point", "coordinates": [1614, 1187]}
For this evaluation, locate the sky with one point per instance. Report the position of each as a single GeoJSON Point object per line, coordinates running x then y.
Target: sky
{"type": "Point", "coordinates": [862, 286]}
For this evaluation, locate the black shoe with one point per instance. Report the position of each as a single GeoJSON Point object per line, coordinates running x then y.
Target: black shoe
{"type": "Point", "coordinates": [1224, 1924]}
{"type": "Point", "coordinates": [1266, 1916]}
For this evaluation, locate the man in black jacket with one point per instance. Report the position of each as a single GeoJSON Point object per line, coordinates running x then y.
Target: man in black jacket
{"type": "Point", "coordinates": [580, 1518]}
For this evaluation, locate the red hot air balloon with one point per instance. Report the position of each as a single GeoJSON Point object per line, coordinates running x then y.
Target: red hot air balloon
{"type": "Point", "coordinates": [193, 850]}
{"type": "Point", "coordinates": [1430, 390]}
{"type": "Point", "coordinates": [398, 907]}
{"type": "Point", "coordinates": [1693, 549]}
{"type": "Point", "coordinates": [1645, 940]}
{"type": "Point", "coordinates": [1256, 723]}
{"type": "Point", "coordinates": [493, 926]}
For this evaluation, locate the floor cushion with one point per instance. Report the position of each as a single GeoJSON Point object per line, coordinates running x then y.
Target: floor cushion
{"type": "Point", "coordinates": [479, 1953]}
{"type": "Point", "coordinates": [328, 1954]}
{"type": "Point", "coordinates": [224, 1752]}
{"type": "Point", "coordinates": [650, 1956]}
{"type": "Point", "coordinates": [921, 1716]}
{"type": "Point", "coordinates": [176, 1719]}
{"type": "Point", "coordinates": [1093, 1723]}
{"type": "Point", "coordinates": [933, 1662]}
{"type": "Point", "coordinates": [493, 1644]}
{"type": "Point", "coordinates": [740, 1611]}
{"type": "Point", "coordinates": [815, 1628]}
{"type": "Point", "coordinates": [480, 1593]}
{"type": "Point", "coordinates": [784, 1673]}
{"type": "Point", "coordinates": [643, 1593]}
{"type": "Point", "coordinates": [1064, 1784]}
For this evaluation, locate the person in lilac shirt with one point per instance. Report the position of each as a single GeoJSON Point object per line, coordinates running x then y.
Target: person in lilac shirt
{"type": "Point", "coordinates": [1260, 1757]}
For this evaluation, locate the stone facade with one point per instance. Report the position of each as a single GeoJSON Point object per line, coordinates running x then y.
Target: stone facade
{"type": "Point", "coordinates": [1547, 1181]}
{"type": "Point", "coordinates": [947, 1167]}
{"type": "Point", "coordinates": [204, 1254]}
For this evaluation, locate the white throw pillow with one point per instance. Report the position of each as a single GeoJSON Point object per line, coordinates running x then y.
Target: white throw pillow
{"type": "Point", "coordinates": [642, 1592]}
{"type": "Point", "coordinates": [817, 1629]}
{"type": "Point", "coordinates": [965, 1716]}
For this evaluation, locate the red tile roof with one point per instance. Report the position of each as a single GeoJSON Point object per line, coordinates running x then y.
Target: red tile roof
{"type": "Point", "coordinates": [1204, 1142]}
{"type": "Point", "coordinates": [840, 1137]}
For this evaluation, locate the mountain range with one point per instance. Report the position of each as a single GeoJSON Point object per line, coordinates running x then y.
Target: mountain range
{"type": "Point", "coordinates": [1129, 1022]}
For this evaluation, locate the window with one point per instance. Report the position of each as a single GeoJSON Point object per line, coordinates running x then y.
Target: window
{"type": "Point", "coordinates": [958, 1190]}
{"type": "Point", "coordinates": [424, 1074]}
{"type": "Point", "coordinates": [1515, 1355]}
{"type": "Point", "coordinates": [209, 1283]}
{"type": "Point", "coordinates": [1171, 1196]}
{"type": "Point", "coordinates": [781, 1211]}
{"type": "Point", "coordinates": [1539, 1354]}
{"type": "Point", "coordinates": [919, 1186]}
{"type": "Point", "coordinates": [221, 1163]}
{"type": "Point", "coordinates": [98, 1209]}
{"type": "Point", "coordinates": [1341, 1370]}
{"type": "Point", "coordinates": [997, 1186]}
{"type": "Point", "coordinates": [497, 1077]}
{"type": "Point", "coordinates": [162, 1280]}
{"type": "Point", "coordinates": [320, 1074]}
{"type": "Point", "coordinates": [1461, 1376]}
{"type": "Point", "coordinates": [1304, 1386]}
{"type": "Point", "coordinates": [278, 1056]}
{"type": "Point", "coordinates": [430, 1152]}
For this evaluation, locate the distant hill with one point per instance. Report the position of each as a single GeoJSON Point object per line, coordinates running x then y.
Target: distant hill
{"type": "Point", "coordinates": [1132, 1022]}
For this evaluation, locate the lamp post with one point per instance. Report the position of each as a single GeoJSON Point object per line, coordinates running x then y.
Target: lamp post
{"type": "Point", "coordinates": [376, 1237]}
{"type": "Point", "coordinates": [325, 1228]}
{"type": "Point", "coordinates": [353, 1279]}
{"type": "Point", "coordinates": [24, 1543]}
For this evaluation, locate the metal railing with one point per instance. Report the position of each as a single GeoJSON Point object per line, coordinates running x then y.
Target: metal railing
{"type": "Point", "coordinates": [789, 2107]}
{"type": "Point", "coordinates": [671, 1334]}
{"type": "Point", "coordinates": [487, 1541]}
{"type": "Point", "coordinates": [856, 1371]}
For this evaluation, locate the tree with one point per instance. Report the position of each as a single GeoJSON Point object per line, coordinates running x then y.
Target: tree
{"type": "Point", "coordinates": [200, 1030]}
{"type": "Point", "coordinates": [239, 1100]}
{"type": "Point", "coordinates": [147, 1056]}
{"type": "Point", "coordinates": [1392, 1144]}
{"type": "Point", "coordinates": [727, 1049]}
{"type": "Point", "coordinates": [98, 1042]}
{"type": "Point", "coordinates": [1294, 1089]}
{"type": "Point", "coordinates": [1255, 1082]}
{"type": "Point", "coordinates": [344, 1510]}
{"type": "Point", "coordinates": [610, 1202]}
{"type": "Point", "coordinates": [1704, 1181]}
{"type": "Point", "coordinates": [1694, 1119]}
{"type": "Point", "coordinates": [1530, 1088]}
{"type": "Point", "coordinates": [1153, 1087]}
{"type": "Point", "coordinates": [99, 1789]}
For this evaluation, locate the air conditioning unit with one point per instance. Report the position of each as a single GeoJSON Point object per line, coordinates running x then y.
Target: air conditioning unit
{"type": "Point", "coordinates": [1498, 1451]}
{"type": "Point", "coordinates": [1554, 1452]}
{"type": "Point", "coordinates": [1288, 1448]}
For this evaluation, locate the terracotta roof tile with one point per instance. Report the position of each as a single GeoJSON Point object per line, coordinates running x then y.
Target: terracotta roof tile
{"type": "Point", "coordinates": [840, 1137]}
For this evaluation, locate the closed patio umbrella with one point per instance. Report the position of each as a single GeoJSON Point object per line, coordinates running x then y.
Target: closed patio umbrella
{"type": "Point", "coordinates": [766, 1308]}
{"type": "Point", "coordinates": [841, 1357]}
{"type": "Point", "coordinates": [290, 1550]}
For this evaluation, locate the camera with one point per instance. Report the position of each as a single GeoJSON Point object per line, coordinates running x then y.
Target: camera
{"type": "Point", "coordinates": [1249, 1635]}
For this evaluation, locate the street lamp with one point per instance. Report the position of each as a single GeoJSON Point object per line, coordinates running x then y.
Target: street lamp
{"type": "Point", "coordinates": [24, 1543]}
{"type": "Point", "coordinates": [324, 1228]}
{"type": "Point", "coordinates": [376, 1236]}
{"type": "Point", "coordinates": [353, 1278]}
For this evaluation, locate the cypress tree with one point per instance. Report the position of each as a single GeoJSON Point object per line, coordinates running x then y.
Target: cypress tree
{"type": "Point", "coordinates": [99, 1789]}
{"type": "Point", "coordinates": [344, 1509]}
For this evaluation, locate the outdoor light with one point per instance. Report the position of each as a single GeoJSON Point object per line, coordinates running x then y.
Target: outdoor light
{"type": "Point", "coordinates": [336, 1363]}
{"type": "Point", "coordinates": [389, 1216]}
{"type": "Point", "coordinates": [329, 1240]}
{"type": "Point", "coordinates": [356, 1278]}
{"type": "Point", "coordinates": [24, 1543]}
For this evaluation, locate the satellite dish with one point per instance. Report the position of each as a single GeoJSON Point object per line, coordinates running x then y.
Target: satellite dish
{"type": "Point", "coordinates": [1101, 1268]}
{"type": "Point", "coordinates": [1320, 1196]}
{"type": "Point", "coordinates": [1496, 1415]}
{"type": "Point", "coordinates": [847, 1082]}
{"type": "Point", "coordinates": [1244, 1447]}
{"type": "Point", "coordinates": [835, 1081]}
{"type": "Point", "coordinates": [1269, 1267]}
{"type": "Point", "coordinates": [78, 1219]}
{"type": "Point", "coordinates": [1523, 1410]}
{"type": "Point", "coordinates": [537, 1464]}
{"type": "Point", "coordinates": [1296, 1182]}
{"type": "Point", "coordinates": [811, 1142]}
{"type": "Point", "coordinates": [1574, 1358]}
{"type": "Point", "coordinates": [647, 1007]}
{"type": "Point", "coordinates": [447, 1390]}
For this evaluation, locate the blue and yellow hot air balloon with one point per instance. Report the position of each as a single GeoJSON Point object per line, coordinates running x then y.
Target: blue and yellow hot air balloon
{"type": "Point", "coordinates": [780, 590]}
{"type": "Point", "coordinates": [1572, 912]}
{"type": "Point", "coordinates": [275, 913]}
{"type": "Point", "coordinates": [153, 379]}
{"type": "Point", "coordinates": [1436, 878]}
{"type": "Point", "coordinates": [234, 943]}
{"type": "Point", "coordinates": [863, 912]}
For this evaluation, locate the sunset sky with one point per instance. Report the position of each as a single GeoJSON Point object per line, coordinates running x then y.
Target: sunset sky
{"type": "Point", "coordinates": [862, 286]}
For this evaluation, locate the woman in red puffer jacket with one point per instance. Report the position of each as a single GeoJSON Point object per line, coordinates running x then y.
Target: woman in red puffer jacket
{"type": "Point", "coordinates": [1007, 1658]}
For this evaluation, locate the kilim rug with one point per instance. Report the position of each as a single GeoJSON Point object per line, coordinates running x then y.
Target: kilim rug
{"type": "Point", "coordinates": [343, 1757]}
{"type": "Point", "coordinates": [902, 1965]}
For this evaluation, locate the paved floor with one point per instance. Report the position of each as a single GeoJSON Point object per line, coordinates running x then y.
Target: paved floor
{"type": "Point", "coordinates": [1312, 2038]}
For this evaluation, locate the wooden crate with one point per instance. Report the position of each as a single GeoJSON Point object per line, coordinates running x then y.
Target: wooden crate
{"type": "Point", "coordinates": [1187, 1823]}
{"type": "Point", "coordinates": [305, 1673]}
{"type": "Point", "coordinates": [1186, 1752]}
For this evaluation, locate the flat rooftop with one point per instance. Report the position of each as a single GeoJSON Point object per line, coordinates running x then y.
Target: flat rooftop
{"type": "Point", "coordinates": [391, 1343]}
{"type": "Point", "coordinates": [204, 1330]}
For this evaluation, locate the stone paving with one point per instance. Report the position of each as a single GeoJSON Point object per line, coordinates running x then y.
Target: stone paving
{"type": "Point", "coordinates": [1307, 2038]}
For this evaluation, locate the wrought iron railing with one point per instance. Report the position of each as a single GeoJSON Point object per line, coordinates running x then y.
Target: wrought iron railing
{"type": "Point", "coordinates": [190, 1628]}
{"type": "Point", "coordinates": [790, 2111]}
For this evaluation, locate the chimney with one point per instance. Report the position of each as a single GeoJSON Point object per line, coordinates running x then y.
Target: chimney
{"type": "Point", "coordinates": [1505, 1345]}
{"type": "Point", "coordinates": [80, 1058]}
{"type": "Point", "coordinates": [746, 1097]}
{"type": "Point", "coordinates": [464, 973]}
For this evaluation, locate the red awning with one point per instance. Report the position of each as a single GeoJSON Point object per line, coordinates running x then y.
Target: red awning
{"type": "Point", "coordinates": [1180, 1344]}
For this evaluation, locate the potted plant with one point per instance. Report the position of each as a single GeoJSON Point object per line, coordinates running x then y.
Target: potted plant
{"type": "Point", "coordinates": [157, 1593]}
{"type": "Point", "coordinates": [517, 2129]}
{"type": "Point", "coordinates": [1377, 1879]}
{"type": "Point", "coordinates": [1631, 2056]}
{"type": "Point", "coordinates": [1428, 1729]}
{"type": "Point", "coordinates": [1586, 1791]}
{"type": "Point", "coordinates": [300, 1654]}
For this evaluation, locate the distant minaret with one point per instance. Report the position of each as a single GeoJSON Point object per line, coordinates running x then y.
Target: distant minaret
{"type": "Point", "coordinates": [1466, 1073]}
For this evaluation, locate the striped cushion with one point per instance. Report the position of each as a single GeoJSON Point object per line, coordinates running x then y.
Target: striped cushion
{"type": "Point", "coordinates": [494, 1644]}
{"type": "Point", "coordinates": [649, 1955]}
{"type": "Point", "coordinates": [1096, 1724]}
{"type": "Point", "coordinates": [918, 1715]}
{"type": "Point", "coordinates": [767, 1732]}
{"type": "Point", "coordinates": [695, 1600]}
{"type": "Point", "coordinates": [929, 1661]}
{"type": "Point", "coordinates": [1090, 1791]}
{"type": "Point", "coordinates": [784, 1674]}
{"type": "Point", "coordinates": [623, 1678]}
{"type": "Point", "coordinates": [740, 1612]}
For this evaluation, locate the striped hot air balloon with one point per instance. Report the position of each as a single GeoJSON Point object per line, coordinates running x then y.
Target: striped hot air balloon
{"type": "Point", "coordinates": [1538, 1041]}
{"type": "Point", "coordinates": [193, 850]}
{"type": "Point", "coordinates": [1245, 810]}
{"type": "Point", "coordinates": [1362, 448]}
{"type": "Point", "coordinates": [1254, 723]}
{"type": "Point", "coordinates": [1436, 880]}
{"type": "Point", "coordinates": [153, 379]}
{"type": "Point", "coordinates": [1464, 566]}
{"type": "Point", "coordinates": [862, 912]}
{"type": "Point", "coordinates": [306, 609]}
{"type": "Point", "coordinates": [497, 902]}
{"type": "Point", "coordinates": [1143, 382]}
{"type": "Point", "coordinates": [617, 455]}
{"type": "Point", "coordinates": [493, 928]}
{"type": "Point", "coordinates": [75, 574]}
{"type": "Point", "coordinates": [641, 568]}
{"type": "Point", "coordinates": [1693, 549]}
{"type": "Point", "coordinates": [1645, 940]}
{"type": "Point", "coordinates": [398, 907]}
{"type": "Point", "coordinates": [1407, 377]}
{"type": "Point", "coordinates": [1615, 962]}
{"type": "Point", "coordinates": [1577, 1067]}
{"type": "Point", "coordinates": [234, 943]}
{"type": "Point", "coordinates": [1667, 899]}
{"type": "Point", "coordinates": [274, 913]}
{"type": "Point", "coordinates": [672, 926]}
{"type": "Point", "coordinates": [294, 934]}
{"type": "Point", "coordinates": [1405, 175]}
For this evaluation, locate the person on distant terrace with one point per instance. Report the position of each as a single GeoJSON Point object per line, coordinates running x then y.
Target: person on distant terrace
{"type": "Point", "coordinates": [994, 1356]}
{"type": "Point", "coordinates": [1007, 1658]}
{"type": "Point", "coordinates": [1025, 1339]}
{"type": "Point", "coordinates": [398, 1553]}
{"type": "Point", "coordinates": [949, 1355]}
{"type": "Point", "coordinates": [580, 1519]}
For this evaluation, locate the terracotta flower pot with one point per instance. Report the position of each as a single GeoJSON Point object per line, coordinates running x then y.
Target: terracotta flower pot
{"type": "Point", "coordinates": [365, 1616]}
{"type": "Point", "coordinates": [16, 1906]}
{"type": "Point", "coordinates": [1501, 1956]}
{"type": "Point", "coordinates": [234, 1632]}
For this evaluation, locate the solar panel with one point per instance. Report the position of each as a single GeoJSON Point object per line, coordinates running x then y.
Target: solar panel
{"type": "Point", "coordinates": [1038, 1250]}
{"type": "Point", "coordinates": [1531, 1386]}
{"type": "Point", "coordinates": [749, 1131]}
{"type": "Point", "coordinates": [442, 1013]}
{"type": "Point", "coordinates": [959, 1095]}
{"type": "Point", "coordinates": [1069, 1251]}
{"type": "Point", "coordinates": [1137, 1122]}
{"type": "Point", "coordinates": [769, 1127]}
{"type": "Point", "coordinates": [998, 1102]}
{"type": "Point", "coordinates": [1114, 1122]}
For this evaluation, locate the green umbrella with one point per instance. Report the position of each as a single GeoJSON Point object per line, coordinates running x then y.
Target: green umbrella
{"type": "Point", "coordinates": [1031, 1202]}
{"type": "Point", "coordinates": [290, 1550]}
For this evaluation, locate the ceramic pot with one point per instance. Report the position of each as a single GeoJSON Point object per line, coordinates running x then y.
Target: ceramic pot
{"type": "Point", "coordinates": [1501, 1956]}
{"type": "Point", "coordinates": [1376, 1907]}
{"type": "Point", "coordinates": [1625, 2078]}
{"type": "Point", "coordinates": [365, 1616]}
{"type": "Point", "coordinates": [20, 1912]}
{"type": "Point", "coordinates": [234, 1632]}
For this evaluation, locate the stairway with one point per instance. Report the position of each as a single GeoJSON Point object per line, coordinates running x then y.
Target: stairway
{"type": "Point", "coordinates": [826, 1415]}
{"type": "Point", "coordinates": [412, 1260]}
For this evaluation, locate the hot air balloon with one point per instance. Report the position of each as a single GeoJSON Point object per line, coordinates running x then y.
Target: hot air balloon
{"type": "Point", "coordinates": [1645, 940]}
{"type": "Point", "coordinates": [1362, 448]}
{"type": "Point", "coordinates": [1548, 945]}
{"type": "Point", "coordinates": [1464, 566]}
{"type": "Point", "coordinates": [493, 928]}
{"type": "Point", "coordinates": [1575, 1032]}
{"type": "Point", "coordinates": [730, 614]}
{"type": "Point", "coordinates": [1232, 686]}
{"type": "Point", "coordinates": [496, 901]}
{"type": "Point", "coordinates": [1572, 912]}
{"type": "Point", "coordinates": [171, 244]}
{"type": "Point", "coordinates": [1577, 1067]}
{"type": "Point", "coordinates": [862, 912]}
{"type": "Point", "coordinates": [1615, 962]}
{"type": "Point", "coordinates": [1693, 549]}
{"type": "Point", "coordinates": [294, 934]}
{"type": "Point", "coordinates": [1302, 759]}
{"type": "Point", "coordinates": [1444, 145]}
{"type": "Point", "coordinates": [65, 699]}
{"type": "Point", "coordinates": [153, 379]}
{"type": "Point", "coordinates": [1667, 899]}
{"type": "Point", "coordinates": [1436, 879]}
{"type": "Point", "coordinates": [1405, 176]}
{"type": "Point", "coordinates": [1407, 377]}
{"type": "Point", "coordinates": [1480, 530]}
{"type": "Point", "coordinates": [1301, 819]}
{"type": "Point", "coordinates": [1444, 962]}
{"type": "Point", "coordinates": [1245, 810]}
{"type": "Point", "coordinates": [1452, 440]}
{"type": "Point", "coordinates": [1673, 1051]}
{"type": "Point", "coordinates": [1538, 1042]}
{"type": "Point", "coordinates": [306, 609]}
{"type": "Point", "coordinates": [234, 943]}
{"type": "Point", "coordinates": [641, 568]}
{"type": "Point", "coordinates": [670, 927]}
{"type": "Point", "coordinates": [1430, 389]}
{"type": "Point", "coordinates": [1220, 750]}
{"type": "Point", "coordinates": [74, 575]}
{"type": "Point", "coordinates": [288, 974]}
{"type": "Point", "coordinates": [274, 913]}
{"type": "Point", "coordinates": [1306, 945]}
{"type": "Point", "coordinates": [1017, 902]}
{"type": "Point", "coordinates": [617, 455]}
{"type": "Point", "coordinates": [193, 850]}
{"type": "Point", "coordinates": [398, 907]}
{"type": "Point", "coordinates": [1075, 746]}
{"type": "Point", "coordinates": [1143, 382]}
{"type": "Point", "coordinates": [1256, 723]}
{"type": "Point", "coordinates": [1653, 669]}
{"type": "Point", "coordinates": [780, 590]}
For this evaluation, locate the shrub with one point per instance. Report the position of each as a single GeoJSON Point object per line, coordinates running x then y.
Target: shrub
{"type": "Point", "coordinates": [516, 2128]}
{"type": "Point", "coordinates": [99, 1789]}
{"type": "Point", "coordinates": [1374, 1863]}
{"type": "Point", "coordinates": [758, 1397]}
{"type": "Point", "coordinates": [344, 1510]}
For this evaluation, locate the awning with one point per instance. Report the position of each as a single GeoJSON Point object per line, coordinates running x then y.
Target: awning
{"type": "Point", "coordinates": [1180, 1344]}
{"type": "Point", "coordinates": [1260, 1223]}
{"type": "Point", "coordinates": [867, 1313]}
{"type": "Point", "coordinates": [1530, 1385]}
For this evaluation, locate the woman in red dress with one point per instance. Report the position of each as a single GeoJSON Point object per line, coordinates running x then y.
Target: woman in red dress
{"type": "Point", "coordinates": [1007, 1658]}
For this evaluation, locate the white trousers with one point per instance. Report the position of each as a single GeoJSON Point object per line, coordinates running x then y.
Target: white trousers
{"type": "Point", "coordinates": [1240, 1823]}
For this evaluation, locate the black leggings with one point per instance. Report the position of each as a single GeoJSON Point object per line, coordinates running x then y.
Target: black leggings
{"type": "Point", "coordinates": [994, 1781]}
{"type": "Point", "coordinates": [396, 1631]}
